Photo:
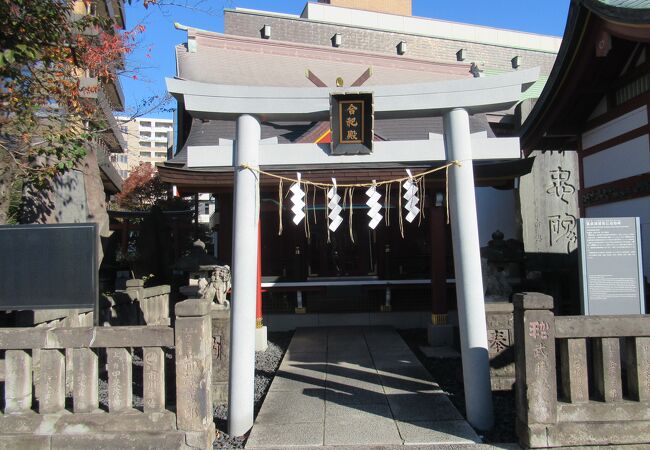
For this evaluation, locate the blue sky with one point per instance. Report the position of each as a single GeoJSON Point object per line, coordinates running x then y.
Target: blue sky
{"type": "Point", "coordinates": [160, 37]}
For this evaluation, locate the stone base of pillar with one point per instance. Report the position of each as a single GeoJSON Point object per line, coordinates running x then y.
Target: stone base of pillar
{"type": "Point", "coordinates": [440, 335]}
{"type": "Point", "coordinates": [261, 339]}
{"type": "Point", "coordinates": [385, 308]}
{"type": "Point", "coordinates": [301, 310]}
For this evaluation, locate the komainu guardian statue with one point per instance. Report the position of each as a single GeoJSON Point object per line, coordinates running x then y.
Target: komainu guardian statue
{"type": "Point", "coordinates": [217, 287]}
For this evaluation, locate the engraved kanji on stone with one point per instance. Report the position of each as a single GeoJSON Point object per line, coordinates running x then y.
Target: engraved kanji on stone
{"type": "Point", "coordinates": [497, 340]}
{"type": "Point", "coordinates": [538, 329]}
{"type": "Point", "coordinates": [540, 351]}
{"type": "Point", "coordinates": [216, 346]}
{"type": "Point", "coordinates": [563, 229]}
{"type": "Point", "coordinates": [560, 186]}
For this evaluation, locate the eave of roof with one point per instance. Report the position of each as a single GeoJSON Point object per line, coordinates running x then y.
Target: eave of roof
{"type": "Point", "coordinates": [583, 17]}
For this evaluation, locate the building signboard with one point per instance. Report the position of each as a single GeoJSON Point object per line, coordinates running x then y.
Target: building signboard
{"type": "Point", "coordinates": [48, 266]}
{"type": "Point", "coordinates": [352, 123]}
{"type": "Point", "coordinates": [610, 266]}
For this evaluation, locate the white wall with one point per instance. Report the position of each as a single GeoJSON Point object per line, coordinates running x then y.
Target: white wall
{"type": "Point", "coordinates": [622, 124]}
{"type": "Point", "coordinates": [638, 207]}
{"type": "Point", "coordinates": [621, 161]}
{"type": "Point", "coordinates": [496, 211]}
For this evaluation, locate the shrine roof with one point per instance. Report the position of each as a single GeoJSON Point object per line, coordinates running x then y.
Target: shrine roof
{"type": "Point", "coordinates": [227, 59]}
{"type": "Point", "coordinates": [582, 76]}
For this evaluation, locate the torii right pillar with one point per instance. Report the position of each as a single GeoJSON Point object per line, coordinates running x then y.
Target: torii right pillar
{"type": "Point", "coordinates": [467, 264]}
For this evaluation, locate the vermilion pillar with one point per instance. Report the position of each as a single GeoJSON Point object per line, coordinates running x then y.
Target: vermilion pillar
{"type": "Point", "coordinates": [438, 237]}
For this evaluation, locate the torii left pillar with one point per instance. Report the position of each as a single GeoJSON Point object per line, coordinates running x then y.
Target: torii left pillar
{"type": "Point", "coordinates": [241, 387]}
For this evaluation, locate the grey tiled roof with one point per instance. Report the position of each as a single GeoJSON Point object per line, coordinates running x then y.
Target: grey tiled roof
{"type": "Point", "coordinates": [208, 132]}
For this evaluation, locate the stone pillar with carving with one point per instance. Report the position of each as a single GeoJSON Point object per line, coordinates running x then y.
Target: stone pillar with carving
{"type": "Point", "coordinates": [549, 212]}
{"type": "Point", "coordinates": [536, 387]}
{"type": "Point", "coordinates": [549, 203]}
{"type": "Point", "coordinates": [193, 336]}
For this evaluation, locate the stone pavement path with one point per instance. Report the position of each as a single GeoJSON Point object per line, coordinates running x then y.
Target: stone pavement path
{"type": "Point", "coordinates": [355, 387]}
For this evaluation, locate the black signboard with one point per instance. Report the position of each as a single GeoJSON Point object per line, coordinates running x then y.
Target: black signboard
{"type": "Point", "coordinates": [48, 266]}
{"type": "Point", "coordinates": [352, 123]}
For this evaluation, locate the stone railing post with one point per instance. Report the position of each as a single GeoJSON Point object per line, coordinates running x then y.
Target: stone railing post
{"type": "Point", "coordinates": [134, 289]}
{"type": "Point", "coordinates": [193, 339]}
{"type": "Point", "coordinates": [536, 386]}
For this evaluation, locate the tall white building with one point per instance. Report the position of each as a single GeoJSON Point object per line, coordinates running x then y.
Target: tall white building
{"type": "Point", "coordinates": [147, 141]}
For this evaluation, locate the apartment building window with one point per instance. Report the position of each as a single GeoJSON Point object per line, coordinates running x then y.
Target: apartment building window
{"type": "Point", "coordinates": [161, 154]}
{"type": "Point", "coordinates": [161, 144]}
{"type": "Point", "coordinates": [145, 154]}
{"type": "Point", "coordinates": [145, 124]}
{"type": "Point", "coordinates": [124, 129]}
{"type": "Point", "coordinates": [161, 135]}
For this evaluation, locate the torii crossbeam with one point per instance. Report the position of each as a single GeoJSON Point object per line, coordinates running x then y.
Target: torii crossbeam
{"type": "Point", "coordinates": [454, 100]}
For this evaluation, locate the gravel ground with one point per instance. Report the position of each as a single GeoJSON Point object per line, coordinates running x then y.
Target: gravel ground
{"type": "Point", "coordinates": [266, 364]}
{"type": "Point", "coordinates": [448, 373]}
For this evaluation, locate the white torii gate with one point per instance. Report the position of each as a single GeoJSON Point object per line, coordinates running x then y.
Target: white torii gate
{"type": "Point", "coordinates": [454, 100]}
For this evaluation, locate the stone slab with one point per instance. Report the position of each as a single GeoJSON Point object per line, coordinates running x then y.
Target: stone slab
{"type": "Point", "coordinates": [295, 379]}
{"type": "Point", "coordinates": [193, 308]}
{"type": "Point", "coordinates": [24, 442]}
{"type": "Point", "coordinates": [421, 407]}
{"type": "Point", "coordinates": [437, 432]}
{"type": "Point", "coordinates": [99, 422]}
{"type": "Point", "coordinates": [353, 410]}
{"type": "Point", "coordinates": [347, 395]}
{"type": "Point", "coordinates": [296, 358]}
{"type": "Point", "coordinates": [281, 407]}
{"type": "Point", "coordinates": [285, 435]}
{"type": "Point", "coordinates": [443, 352]}
{"type": "Point", "coordinates": [532, 300]}
{"type": "Point", "coordinates": [600, 433]}
{"type": "Point", "coordinates": [361, 380]}
{"type": "Point", "coordinates": [123, 441]}
{"type": "Point", "coordinates": [372, 430]}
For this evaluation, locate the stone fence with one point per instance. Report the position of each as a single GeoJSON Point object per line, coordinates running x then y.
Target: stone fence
{"type": "Point", "coordinates": [47, 418]}
{"type": "Point", "coordinates": [602, 367]}
{"type": "Point", "coordinates": [136, 305]}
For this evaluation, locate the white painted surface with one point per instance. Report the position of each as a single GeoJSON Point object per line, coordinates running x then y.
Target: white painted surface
{"type": "Point", "coordinates": [383, 152]}
{"type": "Point", "coordinates": [241, 386]}
{"type": "Point", "coordinates": [430, 27]}
{"type": "Point", "coordinates": [621, 161]}
{"type": "Point", "coordinates": [351, 282]}
{"type": "Point", "coordinates": [622, 124]}
{"type": "Point", "coordinates": [467, 264]}
{"type": "Point", "coordinates": [496, 211]}
{"type": "Point", "coordinates": [476, 95]}
{"type": "Point", "coordinates": [638, 207]}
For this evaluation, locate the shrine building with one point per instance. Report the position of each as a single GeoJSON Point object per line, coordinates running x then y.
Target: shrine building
{"type": "Point", "coordinates": [399, 273]}
{"type": "Point", "coordinates": [595, 108]}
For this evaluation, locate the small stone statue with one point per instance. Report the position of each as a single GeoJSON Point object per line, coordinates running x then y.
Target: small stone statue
{"type": "Point", "coordinates": [216, 289]}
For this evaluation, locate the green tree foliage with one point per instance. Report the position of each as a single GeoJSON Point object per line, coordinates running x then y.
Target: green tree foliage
{"type": "Point", "coordinates": [47, 117]}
